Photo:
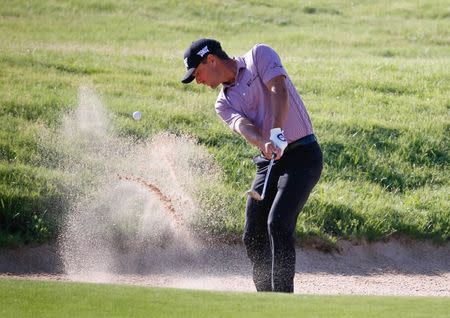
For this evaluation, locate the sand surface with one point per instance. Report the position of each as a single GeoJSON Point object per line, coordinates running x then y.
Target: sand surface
{"type": "Point", "coordinates": [389, 268]}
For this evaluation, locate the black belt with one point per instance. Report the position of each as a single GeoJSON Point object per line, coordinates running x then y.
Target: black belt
{"type": "Point", "coordinates": [301, 142]}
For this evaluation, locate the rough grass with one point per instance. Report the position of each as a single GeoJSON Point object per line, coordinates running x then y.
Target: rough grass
{"type": "Point", "coordinates": [57, 299]}
{"type": "Point", "coordinates": [374, 77]}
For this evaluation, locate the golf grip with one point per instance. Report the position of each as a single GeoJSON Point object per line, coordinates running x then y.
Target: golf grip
{"type": "Point", "coordinates": [267, 176]}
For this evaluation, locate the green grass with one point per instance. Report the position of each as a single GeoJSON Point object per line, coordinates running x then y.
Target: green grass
{"type": "Point", "coordinates": [21, 298]}
{"type": "Point", "coordinates": [374, 77]}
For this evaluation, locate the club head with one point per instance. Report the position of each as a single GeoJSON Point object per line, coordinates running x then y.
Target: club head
{"type": "Point", "coordinates": [255, 195]}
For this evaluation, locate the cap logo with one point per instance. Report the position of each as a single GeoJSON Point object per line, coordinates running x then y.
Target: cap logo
{"type": "Point", "coordinates": [203, 51]}
{"type": "Point", "coordinates": [186, 62]}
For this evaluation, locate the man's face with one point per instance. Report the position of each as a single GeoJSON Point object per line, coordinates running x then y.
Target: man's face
{"type": "Point", "coordinates": [206, 73]}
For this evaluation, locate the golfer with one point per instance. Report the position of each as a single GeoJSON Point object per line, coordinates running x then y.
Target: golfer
{"type": "Point", "coordinates": [258, 101]}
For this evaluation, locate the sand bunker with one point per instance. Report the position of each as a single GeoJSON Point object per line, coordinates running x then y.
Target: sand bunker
{"type": "Point", "coordinates": [130, 216]}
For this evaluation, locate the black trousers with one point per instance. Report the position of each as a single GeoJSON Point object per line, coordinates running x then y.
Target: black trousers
{"type": "Point", "coordinates": [270, 224]}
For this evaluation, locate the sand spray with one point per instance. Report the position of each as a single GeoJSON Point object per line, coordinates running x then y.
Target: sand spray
{"type": "Point", "coordinates": [135, 202]}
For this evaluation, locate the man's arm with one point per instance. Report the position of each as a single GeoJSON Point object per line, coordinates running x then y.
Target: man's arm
{"type": "Point", "coordinates": [250, 133]}
{"type": "Point", "coordinates": [280, 104]}
{"type": "Point", "coordinates": [279, 100]}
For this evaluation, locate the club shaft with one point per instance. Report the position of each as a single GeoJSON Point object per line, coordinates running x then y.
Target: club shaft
{"type": "Point", "coordinates": [269, 168]}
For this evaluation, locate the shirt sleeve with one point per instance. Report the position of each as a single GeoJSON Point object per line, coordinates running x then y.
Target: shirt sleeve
{"type": "Point", "coordinates": [228, 114]}
{"type": "Point", "coordinates": [268, 63]}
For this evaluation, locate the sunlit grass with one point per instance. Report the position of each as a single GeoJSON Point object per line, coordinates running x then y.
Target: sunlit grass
{"type": "Point", "coordinates": [374, 77]}
{"type": "Point", "coordinates": [59, 299]}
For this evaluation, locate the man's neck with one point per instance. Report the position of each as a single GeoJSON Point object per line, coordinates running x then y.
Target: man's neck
{"type": "Point", "coordinates": [230, 72]}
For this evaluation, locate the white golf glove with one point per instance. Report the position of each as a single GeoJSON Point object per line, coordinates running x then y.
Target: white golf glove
{"type": "Point", "coordinates": [277, 137]}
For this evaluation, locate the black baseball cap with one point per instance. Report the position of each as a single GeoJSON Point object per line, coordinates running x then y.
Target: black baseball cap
{"type": "Point", "coordinates": [196, 53]}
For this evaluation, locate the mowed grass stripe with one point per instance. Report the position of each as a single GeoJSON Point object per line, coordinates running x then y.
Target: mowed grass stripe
{"type": "Point", "coordinates": [23, 298]}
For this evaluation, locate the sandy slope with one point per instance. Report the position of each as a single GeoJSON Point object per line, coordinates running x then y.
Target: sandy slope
{"type": "Point", "coordinates": [391, 268]}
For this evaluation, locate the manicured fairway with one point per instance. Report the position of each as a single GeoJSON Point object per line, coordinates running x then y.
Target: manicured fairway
{"type": "Point", "coordinates": [22, 298]}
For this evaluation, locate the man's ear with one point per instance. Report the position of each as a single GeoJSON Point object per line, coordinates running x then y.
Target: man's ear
{"type": "Point", "coordinates": [211, 58]}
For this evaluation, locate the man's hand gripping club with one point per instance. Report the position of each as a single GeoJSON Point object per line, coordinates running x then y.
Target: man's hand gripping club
{"type": "Point", "coordinates": [274, 150]}
{"type": "Point", "coordinates": [276, 145]}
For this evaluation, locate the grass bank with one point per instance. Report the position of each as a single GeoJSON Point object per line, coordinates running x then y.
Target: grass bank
{"type": "Point", "coordinates": [374, 77]}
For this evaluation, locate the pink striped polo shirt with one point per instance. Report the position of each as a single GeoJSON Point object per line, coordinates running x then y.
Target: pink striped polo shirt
{"type": "Point", "coordinates": [248, 96]}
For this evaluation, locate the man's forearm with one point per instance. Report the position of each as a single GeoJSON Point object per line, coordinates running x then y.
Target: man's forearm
{"type": "Point", "coordinates": [280, 106]}
{"type": "Point", "coordinates": [279, 99]}
{"type": "Point", "coordinates": [250, 133]}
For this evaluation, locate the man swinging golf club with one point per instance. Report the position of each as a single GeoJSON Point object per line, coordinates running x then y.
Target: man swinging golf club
{"type": "Point", "coordinates": [259, 102]}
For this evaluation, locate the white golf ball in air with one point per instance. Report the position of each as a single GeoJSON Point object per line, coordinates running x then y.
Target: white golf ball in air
{"type": "Point", "coordinates": [137, 115]}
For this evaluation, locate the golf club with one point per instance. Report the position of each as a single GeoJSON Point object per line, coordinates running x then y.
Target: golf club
{"type": "Point", "coordinates": [255, 195]}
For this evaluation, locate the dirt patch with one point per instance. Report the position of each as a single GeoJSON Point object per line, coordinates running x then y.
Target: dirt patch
{"type": "Point", "coordinates": [389, 268]}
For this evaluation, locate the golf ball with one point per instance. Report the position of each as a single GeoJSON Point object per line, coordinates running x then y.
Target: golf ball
{"type": "Point", "coordinates": [137, 115]}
